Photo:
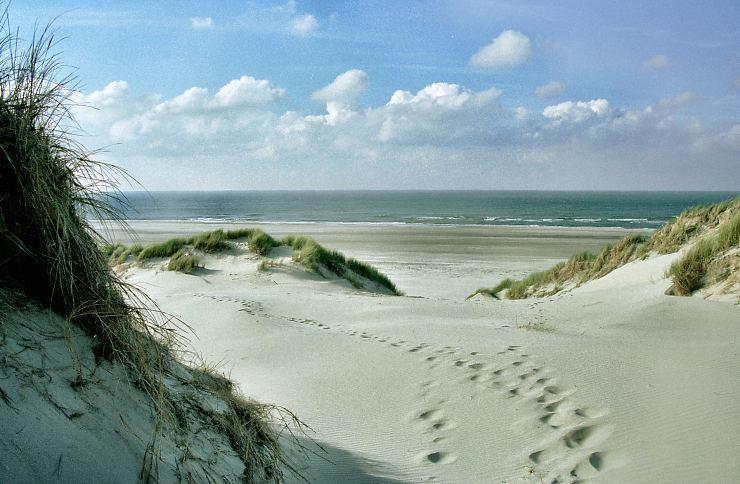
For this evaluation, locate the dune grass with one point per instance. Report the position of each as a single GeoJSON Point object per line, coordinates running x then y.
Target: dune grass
{"type": "Point", "coordinates": [493, 291]}
{"type": "Point", "coordinates": [119, 253]}
{"type": "Point", "coordinates": [51, 255]}
{"type": "Point", "coordinates": [164, 249]}
{"type": "Point", "coordinates": [691, 271]}
{"type": "Point", "coordinates": [261, 243]}
{"type": "Point", "coordinates": [308, 253]}
{"type": "Point", "coordinates": [315, 257]}
{"type": "Point", "coordinates": [183, 261]}
{"type": "Point", "coordinates": [210, 242]}
{"type": "Point", "coordinates": [693, 224]}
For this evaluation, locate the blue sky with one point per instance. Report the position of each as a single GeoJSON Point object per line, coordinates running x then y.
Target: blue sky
{"type": "Point", "coordinates": [671, 69]}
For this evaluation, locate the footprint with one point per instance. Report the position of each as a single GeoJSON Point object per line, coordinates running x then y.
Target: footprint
{"type": "Point", "coordinates": [440, 457]}
{"type": "Point", "coordinates": [587, 412]}
{"type": "Point", "coordinates": [426, 415]}
{"type": "Point", "coordinates": [585, 436]}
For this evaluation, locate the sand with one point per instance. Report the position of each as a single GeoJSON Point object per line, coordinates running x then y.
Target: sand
{"type": "Point", "coordinates": [613, 381]}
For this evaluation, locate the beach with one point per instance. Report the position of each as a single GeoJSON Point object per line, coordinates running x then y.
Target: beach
{"type": "Point", "coordinates": [613, 380]}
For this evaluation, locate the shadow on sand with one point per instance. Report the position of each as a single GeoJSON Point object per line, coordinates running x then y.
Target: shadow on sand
{"type": "Point", "coordinates": [331, 464]}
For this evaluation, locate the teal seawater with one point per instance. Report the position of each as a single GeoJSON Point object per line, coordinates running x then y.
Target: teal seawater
{"type": "Point", "coordinates": [522, 208]}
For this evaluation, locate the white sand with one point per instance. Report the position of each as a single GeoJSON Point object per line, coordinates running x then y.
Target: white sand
{"type": "Point", "coordinates": [65, 417]}
{"type": "Point", "coordinates": [627, 384]}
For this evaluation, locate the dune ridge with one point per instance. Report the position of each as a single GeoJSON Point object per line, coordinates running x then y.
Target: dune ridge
{"type": "Point", "coordinates": [182, 255]}
{"type": "Point", "coordinates": [707, 235]}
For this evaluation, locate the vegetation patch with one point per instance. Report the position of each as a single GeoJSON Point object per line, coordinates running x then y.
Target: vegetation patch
{"type": "Point", "coordinates": [210, 242]}
{"type": "Point", "coordinates": [315, 257]}
{"type": "Point", "coordinates": [183, 261]}
{"type": "Point", "coordinates": [165, 249]}
{"type": "Point", "coordinates": [714, 227]}
{"type": "Point", "coordinates": [308, 253]}
{"type": "Point", "coordinates": [707, 262]}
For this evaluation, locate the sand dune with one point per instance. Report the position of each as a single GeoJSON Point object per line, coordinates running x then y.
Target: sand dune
{"type": "Point", "coordinates": [614, 380]}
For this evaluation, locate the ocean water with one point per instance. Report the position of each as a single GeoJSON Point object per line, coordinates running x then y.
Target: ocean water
{"type": "Point", "coordinates": [522, 208]}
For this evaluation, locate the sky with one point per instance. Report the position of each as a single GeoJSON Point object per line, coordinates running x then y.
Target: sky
{"type": "Point", "coordinates": [463, 94]}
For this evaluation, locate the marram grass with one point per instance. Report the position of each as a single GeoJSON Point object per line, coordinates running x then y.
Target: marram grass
{"type": "Point", "coordinates": [51, 255]}
{"type": "Point", "coordinates": [714, 229]}
{"type": "Point", "coordinates": [307, 252]}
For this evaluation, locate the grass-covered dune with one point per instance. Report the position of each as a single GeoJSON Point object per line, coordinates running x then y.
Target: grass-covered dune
{"type": "Point", "coordinates": [710, 232]}
{"type": "Point", "coordinates": [182, 254]}
{"type": "Point", "coordinates": [72, 334]}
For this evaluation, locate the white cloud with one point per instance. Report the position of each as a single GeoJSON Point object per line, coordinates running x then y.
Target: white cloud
{"type": "Point", "coordinates": [657, 62]}
{"type": "Point", "coordinates": [510, 48]}
{"type": "Point", "coordinates": [442, 136]}
{"type": "Point", "coordinates": [304, 24]}
{"type": "Point", "coordinates": [549, 90]}
{"type": "Point", "coordinates": [247, 91]}
{"type": "Point", "coordinates": [200, 23]}
{"type": "Point", "coordinates": [443, 94]}
{"type": "Point", "coordinates": [577, 112]}
{"type": "Point", "coordinates": [346, 87]}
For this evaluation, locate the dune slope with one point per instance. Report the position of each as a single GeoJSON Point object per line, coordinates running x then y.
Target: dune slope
{"type": "Point", "coordinates": [613, 381]}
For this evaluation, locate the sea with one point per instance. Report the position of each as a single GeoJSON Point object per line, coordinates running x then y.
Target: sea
{"type": "Point", "coordinates": [630, 210]}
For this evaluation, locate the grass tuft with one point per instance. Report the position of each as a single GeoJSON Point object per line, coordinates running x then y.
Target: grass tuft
{"type": "Point", "coordinates": [258, 241]}
{"type": "Point", "coordinates": [183, 261]}
{"type": "Point", "coordinates": [165, 249]}
{"type": "Point", "coordinates": [210, 242]}
{"type": "Point", "coordinates": [315, 257]}
{"type": "Point", "coordinates": [493, 291]}
{"type": "Point", "coordinates": [261, 243]}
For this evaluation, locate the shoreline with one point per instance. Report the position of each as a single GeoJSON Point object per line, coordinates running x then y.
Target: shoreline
{"type": "Point", "coordinates": [231, 221]}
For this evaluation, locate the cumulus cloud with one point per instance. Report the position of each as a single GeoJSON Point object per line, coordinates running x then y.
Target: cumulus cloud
{"type": "Point", "coordinates": [442, 136]}
{"type": "Point", "coordinates": [510, 48]}
{"type": "Point", "coordinates": [657, 62]}
{"type": "Point", "coordinates": [346, 87]}
{"type": "Point", "coordinates": [550, 90]}
{"type": "Point", "coordinates": [247, 91]}
{"type": "Point", "coordinates": [200, 23]}
{"type": "Point", "coordinates": [304, 24]}
{"type": "Point", "coordinates": [577, 112]}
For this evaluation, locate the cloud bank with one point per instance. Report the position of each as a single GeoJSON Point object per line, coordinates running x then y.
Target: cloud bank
{"type": "Point", "coordinates": [443, 135]}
